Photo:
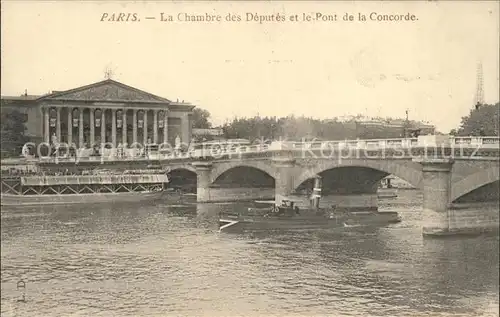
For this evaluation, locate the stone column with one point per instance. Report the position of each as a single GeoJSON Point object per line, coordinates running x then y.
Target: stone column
{"type": "Point", "coordinates": [46, 136]}
{"type": "Point", "coordinates": [92, 127]}
{"type": "Point", "coordinates": [70, 126]}
{"type": "Point", "coordinates": [58, 124]}
{"type": "Point", "coordinates": [124, 127]}
{"type": "Point", "coordinates": [134, 126]}
{"type": "Point", "coordinates": [284, 176]}
{"type": "Point", "coordinates": [185, 128]}
{"type": "Point", "coordinates": [103, 127]}
{"type": "Point", "coordinates": [203, 171]}
{"type": "Point", "coordinates": [436, 178]}
{"type": "Point", "coordinates": [113, 127]}
{"type": "Point", "coordinates": [155, 126]}
{"type": "Point", "coordinates": [190, 127]}
{"type": "Point", "coordinates": [80, 128]}
{"type": "Point", "coordinates": [145, 130]}
{"type": "Point", "coordinates": [165, 126]}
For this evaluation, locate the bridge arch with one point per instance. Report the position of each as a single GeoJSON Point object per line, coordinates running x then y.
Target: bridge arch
{"type": "Point", "coordinates": [183, 177]}
{"type": "Point", "coordinates": [474, 181]}
{"type": "Point", "coordinates": [189, 168]}
{"type": "Point", "coordinates": [222, 168]}
{"type": "Point", "coordinates": [406, 170]}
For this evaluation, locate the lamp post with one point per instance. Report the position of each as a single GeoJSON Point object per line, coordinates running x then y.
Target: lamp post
{"type": "Point", "coordinates": [405, 127]}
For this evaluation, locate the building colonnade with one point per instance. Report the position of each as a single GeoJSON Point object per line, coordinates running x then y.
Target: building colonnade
{"type": "Point", "coordinates": [88, 126]}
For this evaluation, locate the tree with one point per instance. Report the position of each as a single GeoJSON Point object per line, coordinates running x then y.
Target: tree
{"type": "Point", "coordinates": [298, 128]}
{"type": "Point", "coordinates": [482, 121]}
{"type": "Point", "coordinates": [12, 132]}
{"type": "Point", "coordinates": [201, 119]}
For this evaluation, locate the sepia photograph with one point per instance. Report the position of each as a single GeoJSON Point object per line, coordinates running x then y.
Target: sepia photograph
{"type": "Point", "coordinates": [250, 158]}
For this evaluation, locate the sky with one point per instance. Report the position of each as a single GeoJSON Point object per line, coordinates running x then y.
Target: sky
{"type": "Point", "coordinates": [318, 69]}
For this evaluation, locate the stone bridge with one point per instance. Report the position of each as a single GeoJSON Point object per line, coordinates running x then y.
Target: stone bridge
{"type": "Point", "coordinates": [453, 178]}
{"type": "Point", "coordinates": [458, 176]}
{"type": "Point", "coordinates": [466, 175]}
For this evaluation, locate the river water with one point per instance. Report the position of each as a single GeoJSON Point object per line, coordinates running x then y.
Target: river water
{"type": "Point", "coordinates": [159, 259]}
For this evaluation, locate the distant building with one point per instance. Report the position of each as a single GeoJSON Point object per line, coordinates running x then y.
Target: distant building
{"type": "Point", "coordinates": [396, 128]}
{"type": "Point", "coordinates": [212, 132]}
{"type": "Point", "coordinates": [106, 111]}
{"type": "Point", "coordinates": [207, 134]}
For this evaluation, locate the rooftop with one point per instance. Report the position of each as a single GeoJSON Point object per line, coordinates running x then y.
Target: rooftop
{"type": "Point", "coordinates": [107, 90]}
{"type": "Point", "coordinates": [22, 97]}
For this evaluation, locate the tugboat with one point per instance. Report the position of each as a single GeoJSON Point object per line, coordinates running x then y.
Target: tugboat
{"type": "Point", "coordinates": [285, 214]}
{"type": "Point", "coordinates": [288, 215]}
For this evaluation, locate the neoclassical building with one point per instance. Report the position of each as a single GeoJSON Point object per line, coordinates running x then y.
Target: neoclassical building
{"type": "Point", "coordinates": [106, 111]}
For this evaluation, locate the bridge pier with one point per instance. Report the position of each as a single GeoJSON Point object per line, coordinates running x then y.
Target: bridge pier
{"type": "Point", "coordinates": [436, 177]}
{"type": "Point", "coordinates": [203, 171]}
{"type": "Point", "coordinates": [284, 177]}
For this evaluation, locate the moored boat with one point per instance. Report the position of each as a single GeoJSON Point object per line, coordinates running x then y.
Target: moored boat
{"type": "Point", "coordinates": [81, 189]}
{"type": "Point", "coordinates": [386, 189]}
{"type": "Point", "coordinates": [387, 193]}
{"type": "Point", "coordinates": [289, 216]}
{"type": "Point", "coordinates": [9, 200]}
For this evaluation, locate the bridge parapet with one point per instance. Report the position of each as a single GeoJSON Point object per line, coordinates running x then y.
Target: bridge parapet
{"type": "Point", "coordinates": [488, 142]}
{"type": "Point", "coordinates": [318, 150]}
{"type": "Point", "coordinates": [355, 144]}
{"type": "Point", "coordinates": [421, 141]}
{"type": "Point", "coordinates": [357, 153]}
{"type": "Point", "coordinates": [464, 147]}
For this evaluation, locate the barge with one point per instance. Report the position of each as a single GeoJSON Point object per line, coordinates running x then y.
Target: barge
{"type": "Point", "coordinates": [81, 189]}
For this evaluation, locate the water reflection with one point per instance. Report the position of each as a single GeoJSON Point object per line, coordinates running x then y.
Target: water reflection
{"type": "Point", "coordinates": [148, 259]}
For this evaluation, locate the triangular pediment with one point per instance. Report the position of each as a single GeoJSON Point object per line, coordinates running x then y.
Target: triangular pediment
{"type": "Point", "coordinates": [107, 91]}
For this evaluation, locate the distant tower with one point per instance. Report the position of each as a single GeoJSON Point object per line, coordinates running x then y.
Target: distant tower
{"type": "Point", "coordinates": [479, 100]}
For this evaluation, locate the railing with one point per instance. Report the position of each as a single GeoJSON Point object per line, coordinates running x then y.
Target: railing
{"type": "Point", "coordinates": [262, 150]}
{"type": "Point", "coordinates": [423, 141]}
{"type": "Point", "coordinates": [475, 141]}
{"type": "Point", "coordinates": [92, 179]}
{"type": "Point", "coordinates": [352, 144]}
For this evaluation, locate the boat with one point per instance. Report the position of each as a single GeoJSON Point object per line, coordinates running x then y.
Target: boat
{"type": "Point", "coordinates": [383, 193]}
{"type": "Point", "coordinates": [178, 194]}
{"type": "Point", "coordinates": [10, 200]}
{"type": "Point", "coordinates": [100, 187]}
{"type": "Point", "coordinates": [396, 182]}
{"type": "Point", "coordinates": [386, 189]}
{"type": "Point", "coordinates": [287, 215]}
